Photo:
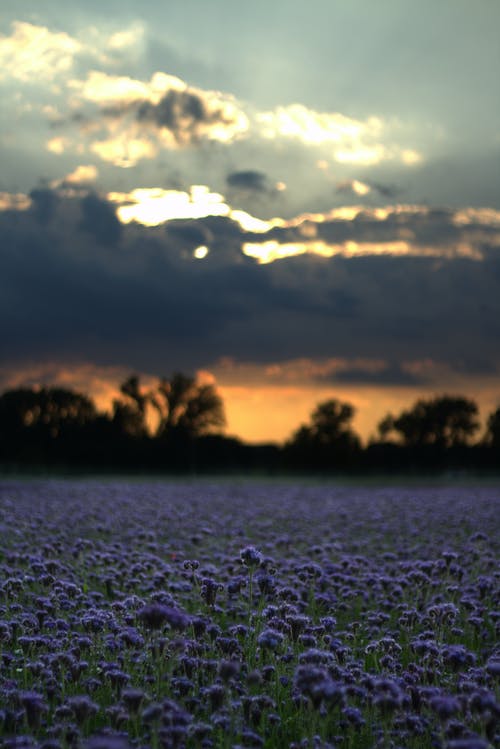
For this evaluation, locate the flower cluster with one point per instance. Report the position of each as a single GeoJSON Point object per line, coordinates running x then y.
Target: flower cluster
{"type": "Point", "coordinates": [173, 615]}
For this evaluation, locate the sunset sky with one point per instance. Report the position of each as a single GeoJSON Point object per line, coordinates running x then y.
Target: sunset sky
{"type": "Point", "coordinates": [298, 200]}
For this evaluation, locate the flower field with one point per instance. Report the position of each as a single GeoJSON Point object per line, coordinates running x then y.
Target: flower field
{"type": "Point", "coordinates": [196, 614]}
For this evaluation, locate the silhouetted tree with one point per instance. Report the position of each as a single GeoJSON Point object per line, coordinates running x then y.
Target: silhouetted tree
{"type": "Point", "coordinates": [44, 425]}
{"type": "Point", "coordinates": [492, 438]}
{"type": "Point", "coordinates": [187, 406]}
{"type": "Point", "coordinates": [329, 440]}
{"type": "Point", "coordinates": [47, 409]}
{"type": "Point", "coordinates": [443, 422]}
{"type": "Point", "coordinates": [129, 414]}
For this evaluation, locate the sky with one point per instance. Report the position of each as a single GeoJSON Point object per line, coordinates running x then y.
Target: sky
{"type": "Point", "coordinates": [296, 201]}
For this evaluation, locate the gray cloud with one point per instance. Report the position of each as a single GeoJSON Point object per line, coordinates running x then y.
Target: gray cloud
{"type": "Point", "coordinates": [99, 220]}
{"type": "Point", "coordinates": [44, 203]}
{"type": "Point", "coordinates": [188, 115]}
{"type": "Point", "coordinates": [137, 297]}
{"type": "Point", "coordinates": [248, 179]}
{"type": "Point", "coordinates": [181, 112]}
{"type": "Point", "coordinates": [390, 375]}
{"type": "Point", "coordinates": [391, 192]}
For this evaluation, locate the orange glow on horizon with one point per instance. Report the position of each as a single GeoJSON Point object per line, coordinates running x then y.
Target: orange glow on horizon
{"type": "Point", "coordinates": [268, 403]}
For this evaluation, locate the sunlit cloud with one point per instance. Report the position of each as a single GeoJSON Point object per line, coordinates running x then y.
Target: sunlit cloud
{"type": "Point", "coordinates": [411, 157]}
{"type": "Point", "coordinates": [360, 142]}
{"type": "Point", "coordinates": [33, 52]}
{"type": "Point", "coordinates": [309, 126]}
{"type": "Point", "coordinates": [58, 145]}
{"type": "Point", "coordinates": [14, 201]}
{"type": "Point", "coordinates": [153, 206]}
{"type": "Point", "coordinates": [102, 383]}
{"type": "Point", "coordinates": [126, 38]}
{"type": "Point", "coordinates": [354, 186]}
{"type": "Point", "coordinates": [403, 227]}
{"type": "Point", "coordinates": [165, 112]}
{"type": "Point", "coordinates": [271, 250]}
{"type": "Point", "coordinates": [82, 175]}
{"type": "Point", "coordinates": [481, 216]}
{"type": "Point", "coordinates": [295, 371]}
{"type": "Point", "coordinates": [123, 150]}
{"type": "Point", "coordinates": [362, 155]}
{"type": "Point", "coordinates": [102, 88]}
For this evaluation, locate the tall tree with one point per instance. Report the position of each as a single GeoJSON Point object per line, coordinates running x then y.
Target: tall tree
{"type": "Point", "coordinates": [49, 409]}
{"type": "Point", "coordinates": [493, 430]}
{"type": "Point", "coordinates": [187, 405]}
{"type": "Point", "coordinates": [328, 440]}
{"type": "Point", "coordinates": [443, 422]}
{"type": "Point", "coordinates": [129, 412]}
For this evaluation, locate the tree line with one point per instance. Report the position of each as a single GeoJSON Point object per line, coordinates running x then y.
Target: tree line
{"type": "Point", "coordinates": [176, 426]}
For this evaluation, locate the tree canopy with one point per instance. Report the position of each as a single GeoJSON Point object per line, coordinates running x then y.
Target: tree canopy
{"type": "Point", "coordinates": [328, 440]}
{"type": "Point", "coordinates": [180, 404]}
{"type": "Point", "coordinates": [443, 422]}
{"type": "Point", "coordinates": [47, 409]}
{"type": "Point", "coordinates": [175, 424]}
{"type": "Point", "coordinates": [187, 405]}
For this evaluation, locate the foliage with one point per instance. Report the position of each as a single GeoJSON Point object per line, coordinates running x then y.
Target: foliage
{"type": "Point", "coordinates": [188, 406]}
{"type": "Point", "coordinates": [50, 409]}
{"type": "Point", "coordinates": [493, 430]}
{"type": "Point", "coordinates": [443, 422]}
{"type": "Point", "coordinates": [328, 440]}
{"type": "Point", "coordinates": [175, 425]}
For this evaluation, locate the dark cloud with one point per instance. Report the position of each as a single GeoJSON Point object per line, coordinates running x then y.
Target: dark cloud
{"type": "Point", "coordinates": [99, 219]}
{"type": "Point", "coordinates": [185, 114]}
{"type": "Point", "coordinates": [148, 304]}
{"type": "Point", "coordinates": [189, 234]}
{"type": "Point", "coordinates": [248, 180]}
{"type": "Point", "coordinates": [386, 191]}
{"type": "Point", "coordinates": [389, 374]}
{"type": "Point", "coordinates": [44, 202]}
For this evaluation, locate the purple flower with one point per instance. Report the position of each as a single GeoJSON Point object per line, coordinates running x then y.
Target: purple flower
{"type": "Point", "coordinates": [82, 707]}
{"type": "Point", "coordinates": [156, 615]}
{"type": "Point", "coordinates": [270, 639]}
{"type": "Point", "coordinates": [251, 557]}
{"type": "Point", "coordinates": [445, 706]}
{"type": "Point", "coordinates": [34, 706]}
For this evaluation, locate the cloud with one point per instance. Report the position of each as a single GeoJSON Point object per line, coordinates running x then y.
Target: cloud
{"type": "Point", "coordinates": [141, 117]}
{"type": "Point", "coordinates": [84, 377]}
{"type": "Point", "coordinates": [188, 116]}
{"type": "Point", "coordinates": [58, 144]}
{"type": "Point", "coordinates": [367, 142]}
{"type": "Point", "coordinates": [83, 175]}
{"type": "Point", "coordinates": [133, 295]}
{"type": "Point", "coordinates": [103, 88]}
{"type": "Point", "coordinates": [354, 186]}
{"type": "Point", "coordinates": [43, 204]}
{"type": "Point", "coordinates": [33, 52]}
{"type": "Point", "coordinates": [383, 373]}
{"type": "Point", "coordinates": [14, 201]}
{"type": "Point", "coordinates": [386, 191]}
{"type": "Point", "coordinates": [125, 39]}
{"type": "Point", "coordinates": [153, 206]}
{"type": "Point", "coordinates": [248, 179]}
{"type": "Point", "coordinates": [309, 126]}
{"type": "Point", "coordinates": [99, 220]}
{"type": "Point", "coordinates": [123, 150]}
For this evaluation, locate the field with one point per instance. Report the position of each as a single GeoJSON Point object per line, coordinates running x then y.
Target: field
{"type": "Point", "coordinates": [227, 614]}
